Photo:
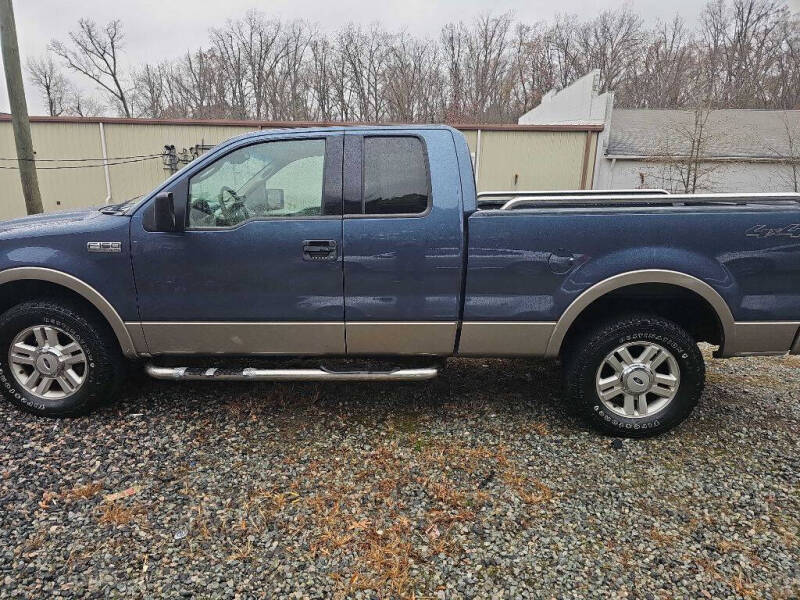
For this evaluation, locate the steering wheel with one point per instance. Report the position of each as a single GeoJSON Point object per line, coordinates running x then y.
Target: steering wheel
{"type": "Point", "coordinates": [237, 205]}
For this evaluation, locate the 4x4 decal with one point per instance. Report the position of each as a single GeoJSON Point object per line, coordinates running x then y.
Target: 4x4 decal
{"type": "Point", "coordinates": [762, 231]}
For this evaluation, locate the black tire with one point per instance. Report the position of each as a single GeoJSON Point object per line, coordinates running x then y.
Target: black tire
{"type": "Point", "coordinates": [104, 364]}
{"type": "Point", "coordinates": [587, 352]}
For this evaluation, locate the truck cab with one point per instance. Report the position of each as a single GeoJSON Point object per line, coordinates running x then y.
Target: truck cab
{"type": "Point", "coordinates": [317, 242]}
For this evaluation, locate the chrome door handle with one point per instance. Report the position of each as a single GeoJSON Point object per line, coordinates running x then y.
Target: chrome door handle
{"type": "Point", "coordinates": [316, 250]}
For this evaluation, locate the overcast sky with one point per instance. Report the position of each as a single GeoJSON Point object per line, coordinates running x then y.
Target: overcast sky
{"type": "Point", "coordinates": [157, 29]}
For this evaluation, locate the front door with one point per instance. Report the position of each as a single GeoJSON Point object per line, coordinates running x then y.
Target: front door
{"type": "Point", "coordinates": [258, 269]}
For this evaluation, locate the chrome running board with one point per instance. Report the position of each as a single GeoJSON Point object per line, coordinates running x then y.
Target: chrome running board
{"type": "Point", "coordinates": [318, 374]}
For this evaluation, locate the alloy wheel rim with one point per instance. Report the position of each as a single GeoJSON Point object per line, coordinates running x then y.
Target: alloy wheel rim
{"type": "Point", "coordinates": [47, 362]}
{"type": "Point", "coordinates": [638, 379]}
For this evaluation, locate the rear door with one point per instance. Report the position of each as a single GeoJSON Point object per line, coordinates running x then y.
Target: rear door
{"type": "Point", "coordinates": [403, 242]}
{"type": "Point", "coordinates": [258, 269]}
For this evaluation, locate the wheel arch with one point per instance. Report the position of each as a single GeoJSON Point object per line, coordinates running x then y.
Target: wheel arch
{"type": "Point", "coordinates": [72, 284]}
{"type": "Point", "coordinates": [715, 302]}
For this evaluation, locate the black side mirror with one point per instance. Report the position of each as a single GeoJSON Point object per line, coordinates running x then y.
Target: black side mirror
{"type": "Point", "coordinates": [164, 212]}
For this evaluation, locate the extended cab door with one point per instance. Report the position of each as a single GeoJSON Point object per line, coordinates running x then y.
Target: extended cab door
{"type": "Point", "coordinates": [258, 269]}
{"type": "Point", "coordinates": [403, 241]}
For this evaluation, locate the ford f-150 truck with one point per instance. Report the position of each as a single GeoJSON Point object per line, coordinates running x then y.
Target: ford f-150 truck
{"type": "Point", "coordinates": [370, 243]}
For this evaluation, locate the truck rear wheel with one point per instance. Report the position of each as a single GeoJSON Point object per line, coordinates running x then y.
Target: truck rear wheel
{"type": "Point", "coordinates": [636, 376]}
{"type": "Point", "coordinates": [56, 360]}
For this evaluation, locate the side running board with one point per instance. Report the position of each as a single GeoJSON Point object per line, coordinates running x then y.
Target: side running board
{"type": "Point", "coordinates": [318, 374]}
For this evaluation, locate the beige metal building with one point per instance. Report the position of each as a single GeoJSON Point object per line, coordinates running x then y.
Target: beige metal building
{"type": "Point", "coordinates": [127, 156]}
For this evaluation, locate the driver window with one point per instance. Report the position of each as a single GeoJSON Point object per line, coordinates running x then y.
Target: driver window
{"type": "Point", "coordinates": [272, 179]}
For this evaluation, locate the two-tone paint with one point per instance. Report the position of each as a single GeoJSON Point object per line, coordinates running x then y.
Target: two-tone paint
{"type": "Point", "coordinates": [451, 280]}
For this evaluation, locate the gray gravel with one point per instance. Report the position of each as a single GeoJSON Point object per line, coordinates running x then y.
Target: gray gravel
{"type": "Point", "coordinates": [476, 485]}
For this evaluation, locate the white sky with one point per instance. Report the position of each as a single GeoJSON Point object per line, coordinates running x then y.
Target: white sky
{"type": "Point", "coordinates": [157, 29]}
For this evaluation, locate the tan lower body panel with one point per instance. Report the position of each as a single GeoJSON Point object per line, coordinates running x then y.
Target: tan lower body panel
{"type": "Point", "coordinates": [507, 338]}
{"type": "Point", "coordinates": [767, 337]}
{"type": "Point", "coordinates": [406, 337]}
{"type": "Point", "coordinates": [244, 338]}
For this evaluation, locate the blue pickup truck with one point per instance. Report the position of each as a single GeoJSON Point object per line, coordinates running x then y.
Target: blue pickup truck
{"type": "Point", "coordinates": [333, 245]}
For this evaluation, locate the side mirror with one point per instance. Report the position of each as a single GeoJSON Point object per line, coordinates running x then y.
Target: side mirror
{"type": "Point", "coordinates": [164, 212]}
{"type": "Point", "coordinates": [274, 199]}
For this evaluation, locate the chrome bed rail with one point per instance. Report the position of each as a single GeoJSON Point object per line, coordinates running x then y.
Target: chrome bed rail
{"type": "Point", "coordinates": [651, 199]}
{"type": "Point", "coordinates": [496, 199]}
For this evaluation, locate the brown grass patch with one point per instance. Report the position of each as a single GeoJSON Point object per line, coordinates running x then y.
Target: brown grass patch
{"type": "Point", "coordinates": [536, 427]}
{"type": "Point", "coordinates": [83, 492]}
{"type": "Point", "coordinates": [115, 514]}
{"type": "Point", "coordinates": [354, 502]}
{"type": "Point", "coordinates": [791, 360]}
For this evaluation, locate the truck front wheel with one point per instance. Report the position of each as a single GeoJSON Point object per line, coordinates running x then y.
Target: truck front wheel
{"type": "Point", "coordinates": [636, 376]}
{"type": "Point", "coordinates": [57, 359]}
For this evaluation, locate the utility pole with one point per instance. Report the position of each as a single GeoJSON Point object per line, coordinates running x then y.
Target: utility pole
{"type": "Point", "coordinates": [19, 109]}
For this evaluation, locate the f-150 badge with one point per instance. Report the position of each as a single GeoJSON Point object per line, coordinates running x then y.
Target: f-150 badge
{"type": "Point", "coordinates": [104, 246]}
{"type": "Point", "coordinates": [762, 231]}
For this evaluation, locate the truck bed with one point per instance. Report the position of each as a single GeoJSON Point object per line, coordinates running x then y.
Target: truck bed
{"type": "Point", "coordinates": [531, 258]}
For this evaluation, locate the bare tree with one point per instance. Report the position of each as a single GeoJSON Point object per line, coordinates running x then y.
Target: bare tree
{"type": "Point", "coordinates": [52, 84]}
{"type": "Point", "coordinates": [742, 46]}
{"type": "Point", "coordinates": [321, 78]}
{"type": "Point", "coordinates": [364, 54]}
{"type": "Point", "coordinates": [566, 54]}
{"type": "Point", "coordinates": [533, 66]}
{"type": "Point", "coordinates": [81, 105]}
{"type": "Point", "coordinates": [413, 85]}
{"type": "Point", "coordinates": [683, 161]}
{"type": "Point", "coordinates": [611, 43]}
{"type": "Point", "coordinates": [741, 53]}
{"type": "Point", "coordinates": [790, 153]}
{"type": "Point", "coordinates": [289, 97]}
{"type": "Point", "coordinates": [94, 53]}
{"type": "Point", "coordinates": [150, 85]}
{"type": "Point", "coordinates": [479, 63]}
{"type": "Point", "coordinates": [664, 70]}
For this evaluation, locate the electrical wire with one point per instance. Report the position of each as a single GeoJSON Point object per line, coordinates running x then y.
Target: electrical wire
{"type": "Point", "coordinates": [110, 164]}
{"type": "Point", "coordinates": [83, 159]}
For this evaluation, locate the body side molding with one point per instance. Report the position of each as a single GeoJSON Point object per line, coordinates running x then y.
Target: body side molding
{"type": "Point", "coordinates": [81, 288]}
{"type": "Point", "coordinates": [301, 338]}
{"type": "Point", "coordinates": [689, 282]}
{"type": "Point", "coordinates": [505, 338]}
{"type": "Point", "coordinates": [401, 337]}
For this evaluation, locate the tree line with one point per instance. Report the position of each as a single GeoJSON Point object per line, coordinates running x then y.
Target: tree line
{"type": "Point", "coordinates": [739, 54]}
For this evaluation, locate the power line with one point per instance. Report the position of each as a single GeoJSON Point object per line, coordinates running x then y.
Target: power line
{"type": "Point", "coordinates": [83, 159]}
{"type": "Point", "coordinates": [111, 164]}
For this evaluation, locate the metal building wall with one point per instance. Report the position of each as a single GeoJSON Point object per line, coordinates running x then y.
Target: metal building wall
{"type": "Point", "coordinates": [533, 160]}
{"type": "Point", "coordinates": [511, 157]}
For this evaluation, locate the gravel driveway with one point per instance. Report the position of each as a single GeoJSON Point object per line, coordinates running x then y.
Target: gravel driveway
{"type": "Point", "coordinates": [476, 485]}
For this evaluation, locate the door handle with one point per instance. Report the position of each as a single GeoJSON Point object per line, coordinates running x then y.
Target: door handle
{"type": "Point", "coordinates": [562, 262]}
{"type": "Point", "coordinates": [315, 250]}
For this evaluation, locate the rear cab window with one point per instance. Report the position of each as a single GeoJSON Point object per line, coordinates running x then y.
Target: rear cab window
{"type": "Point", "coordinates": [395, 176]}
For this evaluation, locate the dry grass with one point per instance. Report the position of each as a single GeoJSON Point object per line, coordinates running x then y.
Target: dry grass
{"type": "Point", "coordinates": [762, 378]}
{"type": "Point", "coordinates": [83, 492]}
{"type": "Point", "coordinates": [536, 427]}
{"type": "Point", "coordinates": [742, 585]}
{"type": "Point", "coordinates": [115, 514]}
{"type": "Point", "coordinates": [354, 503]}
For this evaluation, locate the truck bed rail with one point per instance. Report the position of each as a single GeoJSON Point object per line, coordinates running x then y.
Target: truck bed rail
{"type": "Point", "coordinates": [612, 199]}
{"type": "Point", "coordinates": [496, 199]}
